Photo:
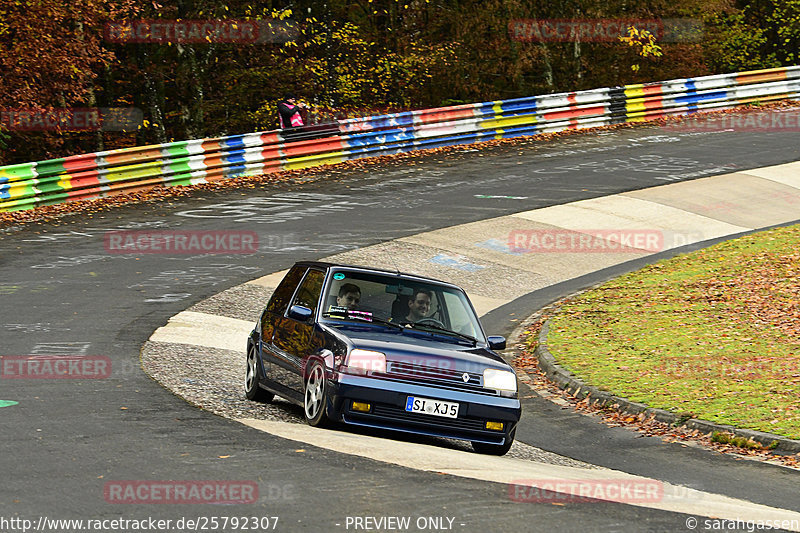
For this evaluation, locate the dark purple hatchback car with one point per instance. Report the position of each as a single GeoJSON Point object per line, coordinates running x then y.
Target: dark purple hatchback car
{"type": "Point", "coordinates": [386, 350]}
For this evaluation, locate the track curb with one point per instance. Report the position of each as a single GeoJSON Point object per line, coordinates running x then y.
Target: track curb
{"type": "Point", "coordinates": [576, 386]}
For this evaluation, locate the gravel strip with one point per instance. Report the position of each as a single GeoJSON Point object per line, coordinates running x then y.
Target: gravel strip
{"type": "Point", "coordinates": [244, 302]}
{"type": "Point", "coordinates": [211, 379]}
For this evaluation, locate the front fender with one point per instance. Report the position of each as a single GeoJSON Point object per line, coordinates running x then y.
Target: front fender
{"type": "Point", "coordinates": [325, 357]}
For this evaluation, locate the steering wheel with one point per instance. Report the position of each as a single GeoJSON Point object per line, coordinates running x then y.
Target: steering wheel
{"type": "Point", "coordinates": [430, 322]}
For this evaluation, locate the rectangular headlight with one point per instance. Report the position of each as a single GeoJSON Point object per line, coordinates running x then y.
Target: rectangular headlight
{"type": "Point", "coordinates": [363, 361]}
{"type": "Point", "coordinates": [499, 380]}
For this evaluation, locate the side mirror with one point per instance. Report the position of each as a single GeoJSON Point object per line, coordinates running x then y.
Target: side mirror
{"type": "Point", "coordinates": [496, 342]}
{"type": "Point", "coordinates": [298, 312]}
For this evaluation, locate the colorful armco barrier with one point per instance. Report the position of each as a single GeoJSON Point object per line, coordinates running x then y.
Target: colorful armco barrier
{"type": "Point", "coordinates": [101, 174]}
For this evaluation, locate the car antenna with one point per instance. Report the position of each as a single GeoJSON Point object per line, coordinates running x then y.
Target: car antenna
{"type": "Point", "coordinates": [391, 258]}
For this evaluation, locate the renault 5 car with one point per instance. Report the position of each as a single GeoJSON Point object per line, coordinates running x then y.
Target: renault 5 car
{"type": "Point", "coordinates": [383, 349]}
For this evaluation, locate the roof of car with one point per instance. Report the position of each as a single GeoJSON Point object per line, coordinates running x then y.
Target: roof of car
{"type": "Point", "coordinates": [326, 265]}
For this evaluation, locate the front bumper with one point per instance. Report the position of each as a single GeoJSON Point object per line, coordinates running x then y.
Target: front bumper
{"type": "Point", "coordinates": [388, 400]}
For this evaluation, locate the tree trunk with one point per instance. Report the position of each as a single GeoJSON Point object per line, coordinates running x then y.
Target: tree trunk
{"type": "Point", "coordinates": [92, 99]}
{"type": "Point", "coordinates": [152, 96]}
{"type": "Point", "coordinates": [548, 67]}
{"type": "Point", "coordinates": [192, 105]}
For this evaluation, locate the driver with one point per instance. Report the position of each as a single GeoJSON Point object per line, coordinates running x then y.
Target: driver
{"type": "Point", "coordinates": [349, 296]}
{"type": "Point", "coordinates": [419, 305]}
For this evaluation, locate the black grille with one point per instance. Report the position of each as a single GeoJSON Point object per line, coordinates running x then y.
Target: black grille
{"type": "Point", "coordinates": [431, 375]}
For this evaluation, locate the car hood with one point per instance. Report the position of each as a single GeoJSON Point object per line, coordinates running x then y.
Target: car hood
{"type": "Point", "coordinates": [416, 348]}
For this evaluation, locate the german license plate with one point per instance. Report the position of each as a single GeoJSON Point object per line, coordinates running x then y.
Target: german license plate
{"type": "Point", "coordinates": [415, 404]}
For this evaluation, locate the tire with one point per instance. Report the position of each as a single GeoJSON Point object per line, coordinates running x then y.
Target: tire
{"type": "Point", "coordinates": [252, 376]}
{"type": "Point", "coordinates": [494, 449]}
{"type": "Point", "coordinates": [315, 396]}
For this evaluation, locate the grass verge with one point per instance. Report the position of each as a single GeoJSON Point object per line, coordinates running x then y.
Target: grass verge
{"type": "Point", "coordinates": [714, 333]}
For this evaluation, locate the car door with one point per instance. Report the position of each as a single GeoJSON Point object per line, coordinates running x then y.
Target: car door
{"type": "Point", "coordinates": [273, 313]}
{"type": "Point", "coordinates": [292, 337]}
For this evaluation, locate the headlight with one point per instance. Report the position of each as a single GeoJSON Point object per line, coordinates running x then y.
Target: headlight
{"type": "Point", "coordinates": [363, 361]}
{"type": "Point", "coordinates": [499, 380]}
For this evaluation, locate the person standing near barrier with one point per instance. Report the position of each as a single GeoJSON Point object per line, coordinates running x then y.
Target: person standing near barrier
{"type": "Point", "coordinates": [289, 112]}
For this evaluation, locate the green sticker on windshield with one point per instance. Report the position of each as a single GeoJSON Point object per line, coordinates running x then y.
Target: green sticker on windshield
{"type": "Point", "coordinates": [338, 276]}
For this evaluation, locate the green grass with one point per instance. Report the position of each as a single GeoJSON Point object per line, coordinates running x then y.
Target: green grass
{"type": "Point", "coordinates": [741, 442]}
{"type": "Point", "coordinates": [714, 333]}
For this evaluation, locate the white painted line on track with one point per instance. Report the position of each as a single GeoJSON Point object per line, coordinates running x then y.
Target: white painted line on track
{"type": "Point", "coordinates": [788, 174]}
{"type": "Point", "coordinates": [202, 329]}
{"type": "Point", "coordinates": [618, 212]}
{"type": "Point", "coordinates": [270, 280]}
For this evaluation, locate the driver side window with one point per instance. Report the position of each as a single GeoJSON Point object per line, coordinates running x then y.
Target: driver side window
{"type": "Point", "coordinates": [309, 291]}
{"type": "Point", "coordinates": [280, 298]}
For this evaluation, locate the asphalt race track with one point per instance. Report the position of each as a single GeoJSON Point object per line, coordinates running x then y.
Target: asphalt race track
{"type": "Point", "coordinates": [64, 293]}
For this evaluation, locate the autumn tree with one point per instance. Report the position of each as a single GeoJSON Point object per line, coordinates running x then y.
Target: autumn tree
{"type": "Point", "coordinates": [755, 34]}
{"type": "Point", "coordinates": [50, 57]}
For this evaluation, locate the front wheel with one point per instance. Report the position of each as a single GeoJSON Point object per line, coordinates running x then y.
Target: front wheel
{"type": "Point", "coordinates": [315, 396]}
{"type": "Point", "coordinates": [494, 449]}
{"type": "Point", "coordinates": [252, 377]}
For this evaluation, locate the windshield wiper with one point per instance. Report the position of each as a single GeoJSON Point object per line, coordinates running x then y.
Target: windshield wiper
{"type": "Point", "coordinates": [360, 318]}
{"type": "Point", "coordinates": [413, 325]}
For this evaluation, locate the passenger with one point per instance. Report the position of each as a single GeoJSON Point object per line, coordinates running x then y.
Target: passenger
{"type": "Point", "coordinates": [419, 305]}
{"type": "Point", "coordinates": [349, 296]}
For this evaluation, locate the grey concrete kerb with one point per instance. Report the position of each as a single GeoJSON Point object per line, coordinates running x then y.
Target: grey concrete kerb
{"type": "Point", "coordinates": [582, 390]}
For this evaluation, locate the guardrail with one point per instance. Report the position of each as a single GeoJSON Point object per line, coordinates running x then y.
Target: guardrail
{"type": "Point", "coordinates": [101, 174]}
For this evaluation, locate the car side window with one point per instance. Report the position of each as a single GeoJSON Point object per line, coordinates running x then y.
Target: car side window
{"type": "Point", "coordinates": [280, 298]}
{"type": "Point", "coordinates": [460, 319]}
{"type": "Point", "coordinates": [310, 289]}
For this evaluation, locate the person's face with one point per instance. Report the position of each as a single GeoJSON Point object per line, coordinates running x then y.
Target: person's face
{"type": "Point", "coordinates": [419, 306]}
{"type": "Point", "coordinates": [349, 300]}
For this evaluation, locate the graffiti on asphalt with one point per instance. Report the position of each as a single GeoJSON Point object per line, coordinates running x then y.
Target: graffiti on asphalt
{"type": "Point", "coordinates": [91, 232]}
{"type": "Point", "coordinates": [196, 275]}
{"type": "Point", "coordinates": [39, 327]}
{"type": "Point", "coordinates": [672, 168]}
{"type": "Point", "coordinates": [61, 348]}
{"type": "Point", "coordinates": [276, 209]}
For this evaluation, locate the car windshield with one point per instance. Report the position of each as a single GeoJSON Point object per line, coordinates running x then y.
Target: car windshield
{"type": "Point", "coordinates": [384, 298]}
